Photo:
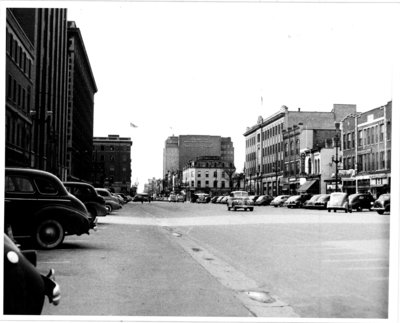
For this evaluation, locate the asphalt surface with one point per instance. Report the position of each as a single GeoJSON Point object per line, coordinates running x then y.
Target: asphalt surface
{"type": "Point", "coordinates": [188, 260]}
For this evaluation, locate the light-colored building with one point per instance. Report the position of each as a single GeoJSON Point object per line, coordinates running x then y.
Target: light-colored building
{"type": "Point", "coordinates": [208, 174]}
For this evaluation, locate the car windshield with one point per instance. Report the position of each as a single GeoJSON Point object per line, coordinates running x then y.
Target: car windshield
{"type": "Point", "coordinates": [314, 198]}
{"type": "Point", "coordinates": [261, 198]}
{"type": "Point", "coordinates": [240, 194]}
{"type": "Point", "coordinates": [293, 198]}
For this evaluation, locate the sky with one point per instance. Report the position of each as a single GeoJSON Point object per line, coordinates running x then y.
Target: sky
{"type": "Point", "coordinates": [211, 68]}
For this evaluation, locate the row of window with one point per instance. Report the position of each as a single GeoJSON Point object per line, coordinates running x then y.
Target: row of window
{"type": "Point", "coordinates": [207, 184]}
{"type": "Point", "coordinates": [112, 148]}
{"type": "Point", "coordinates": [367, 136]}
{"type": "Point", "coordinates": [102, 158]}
{"type": "Point", "coordinates": [292, 148]}
{"type": "Point", "coordinates": [20, 96]}
{"type": "Point", "coordinates": [16, 133]}
{"type": "Point", "coordinates": [18, 55]}
{"type": "Point", "coordinates": [369, 162]}
{"type": "Point", "coordinates": [274, 131]}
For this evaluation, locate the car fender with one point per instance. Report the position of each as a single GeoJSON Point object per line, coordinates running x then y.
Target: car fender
{"type": "Point", "coordinates": [73, 221]}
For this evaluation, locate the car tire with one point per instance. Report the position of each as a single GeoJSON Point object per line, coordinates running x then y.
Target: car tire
{"type": "Point", "coordinates": [251, 209]}
{"type": "Point", "coordinates": [109, 208]}
{"type": "Point", "coordinates": [380, 212]}
{"type": "Point", "coordinates": [229, 208]}
{"type": "Point", "coordinates": [329, 210]}
{"type": "Point", "coordinates": [49, 234]}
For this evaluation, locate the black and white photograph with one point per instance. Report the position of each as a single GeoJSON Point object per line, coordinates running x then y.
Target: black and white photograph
{"type": "Point", "coordinates": [200, 161]}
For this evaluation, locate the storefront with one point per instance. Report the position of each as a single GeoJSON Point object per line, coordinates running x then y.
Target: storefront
{"type": "Point", "coordinates": [380, 184]}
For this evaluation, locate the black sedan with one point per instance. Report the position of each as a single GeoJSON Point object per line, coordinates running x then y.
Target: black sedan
{"type": "Point", "coordinates": [38, 206]}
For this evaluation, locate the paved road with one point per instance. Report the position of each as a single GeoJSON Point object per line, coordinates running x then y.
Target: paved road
{"type": "Point", "coordinates": [170, 259]}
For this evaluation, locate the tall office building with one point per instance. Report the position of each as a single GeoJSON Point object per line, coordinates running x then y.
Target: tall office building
{"type": "Point", "coordinates": [179, 150]}
{"type": "Point", "coordinates": [81, 90]}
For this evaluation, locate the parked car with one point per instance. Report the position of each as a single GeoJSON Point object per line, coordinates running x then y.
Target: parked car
{"type": "Point", "coordinates": [24, 288]}
{"type": "Point", "coordinates": [279, 200]}
{"type": "Point", "coordinates": [264, 200]}
{"type": "Point", "coordinates": [220, 199]}
{"type": "Point", "coordinates": [225, 198]}
{"type": "Point", "coordinates": [172, 198]}
{"type": "Point", "coordinates": [112, 203]}
{"type": "Point", "coordinates": [38, 206]}
{"type": "Point", "coordinates": [239, 200]}
{"type": "Point", "coordinates": [339, 201]}
{"type": "Point", "coordinates": [125, 197]}
{"type": "Point", "coordinates": [214, 199]}
{"type": "Point", "coordinates": [311, 202]}
{"type": "Point", "coordinates": [361, 201]}
{"type": "Point", "coordinates": [141, 197]}
{"type": "Point", "coordinates": [322, 201]}
{"type": "Point", "coordinates": [202, 198]}
{"type": "Point", "coordinates": [180, 198]}
{"type": "Point", "coordinates": [95, 204]}
{"type": "Point", "coordinates": [296, 201]}
{"type": "Point", "coordinates": [382, 204]}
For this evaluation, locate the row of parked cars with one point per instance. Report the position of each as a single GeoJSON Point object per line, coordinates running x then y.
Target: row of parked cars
{"type": "Point", "coordinates": [41, 208]}
{"type": "Point", "coordinates": [334, 201]}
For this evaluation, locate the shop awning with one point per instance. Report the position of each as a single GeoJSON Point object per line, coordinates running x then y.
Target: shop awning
{"type": "Point", "coordinates": [307, 186]}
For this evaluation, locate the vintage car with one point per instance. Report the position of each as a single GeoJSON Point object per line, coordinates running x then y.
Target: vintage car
{"type": "Point", "coordinates": [239, 200]}
{"type": "Point", "coordinates": [95, 204]}
{"type": "Point", "coordinates": [311, 202]}
{"type": "Point", "coordinates": [39, 207]}
{"type": "Point", "coordinates": [361, 201]}
{"type": "Point", "coordinates": [296, 201]}
{"type": "Point", "coordinates": [279, 200]}
{"type": "Point", "coordinates": [112, 203]}
{"type": "Point", "coordinates": [382, 204]}
{"type": "Point", "coordinates": [321, 202]}
{"type": "Point", "coordinates": [25, 288]}
{"type": "Point", "coordinates": [202, 198]}
{"type": "Point", "coordinates": [339, 201]}
{"type": "Point", "coordinates": [264, 200]}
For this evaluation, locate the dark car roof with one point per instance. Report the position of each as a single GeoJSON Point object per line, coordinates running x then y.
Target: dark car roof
{"type": "Point", "coordinates": [77, 184]}
{"type": "Point", "coordinates": [29, 171]}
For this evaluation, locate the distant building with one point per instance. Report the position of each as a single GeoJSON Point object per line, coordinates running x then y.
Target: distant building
{"type": "Point", "coordinates": [179, 150]}
{"type": "Point", "coordinates": [273, 160]}
{"type": "Point", "coordinates": [207, 174]}
{"type": "Point", "coordinates": [367, 141]}
{"type": "Point", "coordinates": [112, 163]}
{"type": "Point", "coordinates": [81, 90]}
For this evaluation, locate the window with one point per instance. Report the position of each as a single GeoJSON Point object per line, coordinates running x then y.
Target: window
{"type": "Point", "coordinates": [223, 184]}
{"type": "Point", "coordinates": [344, 142]}
{"type": "Point", "coordinates": [388, 131]}
{"type": "Point", "coordinates": [215, 173]}
{"type": "Point", "coordinates": [207, 183]}
{"type": "Point", "coordinates": [348, 141]}
{"type": "Point", "coordinates": [359, 137]}
{"type": "Point", "coordinates": [198, 183]}
{"type": "Point", "coordinates": [352, 140]}
{"type": "Point", "coordinates": [14, 184]}
{"type": "Point", "coordinates": [368, 136]}
{"type": "Point", "coordinates": [46, 186]}
{"type": "Point", "coordinates": [381, 131]}
{"type": "Point", "coordinates": [215, 184]}
{"type": "Point", "coordinates": [382, 160]}
{"type": "Point", "coordinates": [198, 174]}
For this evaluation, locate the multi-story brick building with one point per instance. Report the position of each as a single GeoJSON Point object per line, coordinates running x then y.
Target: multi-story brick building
{"type": "Point", "coordinates": [366, 141]}
{"type": "Point", "coordinates": [273, 158]}
{"type": "Point", "coordinates": [81, 90]}
{"type": "Point", "coordinates": [112, 163]}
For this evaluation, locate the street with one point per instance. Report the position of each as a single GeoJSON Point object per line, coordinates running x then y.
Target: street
{"type": "Point", "coordinates": [184, 259]}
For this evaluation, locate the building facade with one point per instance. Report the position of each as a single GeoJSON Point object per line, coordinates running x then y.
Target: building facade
{"type": "Point", "coordinates": [20, 78]}
{"type": "Point", "coordinates": [273, 159]}
{"type": "Point", "coordinates": [207, 174]}
{"type": "Point", "coordinates": [179, 150]}
{"type": "Point", "coordinates": [366, 142]}
{"type": "Point", "coordinates": [112, 163]}
{"type": "Point", "coordinates": [81, 90]}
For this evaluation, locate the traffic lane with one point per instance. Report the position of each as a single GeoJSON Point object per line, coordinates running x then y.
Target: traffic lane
{"type": "Point", "coordinates": [126, 270]}
{"type": "Point", "coordinates": [322, 270]}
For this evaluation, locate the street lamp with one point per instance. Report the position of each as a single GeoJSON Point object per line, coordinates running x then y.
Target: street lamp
{"type": "Point", "coordinates": [336, 160]}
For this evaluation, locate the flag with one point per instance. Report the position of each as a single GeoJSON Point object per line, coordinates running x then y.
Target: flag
{"type": "Point", "coordinates": [132, 125]}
